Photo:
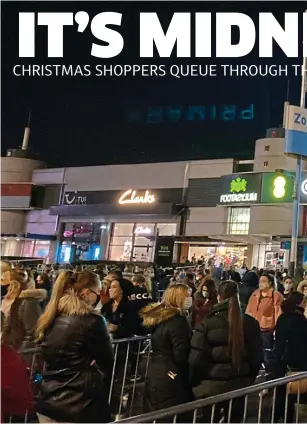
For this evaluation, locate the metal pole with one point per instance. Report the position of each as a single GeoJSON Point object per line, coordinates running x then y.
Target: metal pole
{"type": "Point", "coordinates": [297, 186]}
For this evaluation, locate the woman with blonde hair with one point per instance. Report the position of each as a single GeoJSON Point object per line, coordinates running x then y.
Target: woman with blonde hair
{"type": "Point", "coordinates": [77, 352]}
{"type": "Point", "coordinates": [167, 380]}
{"type": "Point", "coordinates": [21, 307]}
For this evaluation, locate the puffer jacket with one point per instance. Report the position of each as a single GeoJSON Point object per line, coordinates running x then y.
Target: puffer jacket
{"type": "Point", "coordinates": [211, 368]}
{"type": "Point", "coordinates": [167, 380]}
{"type": "Point", "coordinates": [79, 362]}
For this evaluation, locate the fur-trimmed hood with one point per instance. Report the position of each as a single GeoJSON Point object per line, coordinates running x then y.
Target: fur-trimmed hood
{"type": "Point", "coordinates": [39, 294]}
{"type": "Point", "coordinates": [71, 304]}
{"type": "Point", "coordinates": [300, 287]}
{"type": "Point", "coordinates": [155, 313]}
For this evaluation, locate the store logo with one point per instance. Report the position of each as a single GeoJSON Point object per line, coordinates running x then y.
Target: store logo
{"type": "Point", "coordinates": [238, 188]}
{"type": "Point", "coordinates": [130, 197]}
{"type": "Point", "coordinates": [142, 230]}
{"type": "Point", "coordinates": [237, 185]}
{"type": "Point", "coordinates": [74, 199]}
{"type": "Point", "coordinates": [279, 189]}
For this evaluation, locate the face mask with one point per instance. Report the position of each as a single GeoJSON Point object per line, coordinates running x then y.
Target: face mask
{"type": "Point", "coordinates": [205, 294]}
{"type": "Point", "coordinates": [187, 303]}
{"type": "Point", "coordinates": [287, 287]}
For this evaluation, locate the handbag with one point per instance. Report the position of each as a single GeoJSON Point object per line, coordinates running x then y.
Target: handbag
{"type": "Point", "coordinates": [295, 387]}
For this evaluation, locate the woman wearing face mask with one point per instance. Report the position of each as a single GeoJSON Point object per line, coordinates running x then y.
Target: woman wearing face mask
{"type": "Point", "coordinates": [77, 353]}
{"type": "Point", "coordinates": [204, 300]}
{"type": "Point", "coordinates": [167, 379]}
{"type": "Point", "coordinates": [265, 306]}
{"type": "Point", "coordinates": [226, 353]}
{"type": "Point", "coordinates": [288, 287]}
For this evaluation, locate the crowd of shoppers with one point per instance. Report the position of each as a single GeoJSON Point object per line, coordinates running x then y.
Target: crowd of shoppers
{"type": "Point", "coordinates": [210, 333]}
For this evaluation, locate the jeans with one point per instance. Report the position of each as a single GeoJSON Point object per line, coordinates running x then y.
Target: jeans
{"type": "Point", "coordinates": [269, 356]}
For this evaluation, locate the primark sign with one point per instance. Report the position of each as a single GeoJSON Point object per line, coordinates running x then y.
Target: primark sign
{"type": "Point", "coordinates": [240, 189]}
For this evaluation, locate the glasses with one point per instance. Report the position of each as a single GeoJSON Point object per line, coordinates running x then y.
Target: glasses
{"type": "Point", "coordinates": [97, 294]}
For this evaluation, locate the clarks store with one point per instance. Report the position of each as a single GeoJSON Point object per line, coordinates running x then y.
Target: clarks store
{"type": "Point", "coordinates": [117, 225]}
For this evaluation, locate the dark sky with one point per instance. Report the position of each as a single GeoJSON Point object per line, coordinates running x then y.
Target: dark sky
{"type": "Point", "coordinates": [92, 120]}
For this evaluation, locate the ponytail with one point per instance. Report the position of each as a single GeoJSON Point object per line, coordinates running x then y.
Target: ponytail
{"type": "Point", "coordinates": [63, 283]}
{"type": "Point", "coordinates": [229, 290]}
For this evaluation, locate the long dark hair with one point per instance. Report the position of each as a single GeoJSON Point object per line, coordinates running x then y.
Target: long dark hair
{"type": "Point", "coordinates": [229, 290]}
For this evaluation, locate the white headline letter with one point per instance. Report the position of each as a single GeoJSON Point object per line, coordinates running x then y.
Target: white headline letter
{"type": "Point", "coordinates": [203, 35]}
{"type": "Point", "coordinates": [269, 30]}
{"type": "Point", "coordinates": [224, 22]}
{"type": "Point", "coordinates": [26, 35]}
{"type": "Point", "coordinates": [151, 32]}
{"type": "Point", "coordinates": [113, 38]}
{"type": "Point", "coordinates": [55, 23]}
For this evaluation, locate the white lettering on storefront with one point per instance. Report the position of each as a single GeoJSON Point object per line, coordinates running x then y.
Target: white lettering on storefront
{"type": "Point", "coordinates": [130, 197]}
{"type": "Point", "coordinates": [237, 198]}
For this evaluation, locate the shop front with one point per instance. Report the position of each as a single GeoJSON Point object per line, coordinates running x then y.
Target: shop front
{"type": "Point", "coordinates": [117, 225]}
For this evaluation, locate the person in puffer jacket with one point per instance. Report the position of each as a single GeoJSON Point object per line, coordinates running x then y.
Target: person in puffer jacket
{"type": "Point", "coordinates": [226, 353]}
{"type": "Point", "coordinates": [167, 382]}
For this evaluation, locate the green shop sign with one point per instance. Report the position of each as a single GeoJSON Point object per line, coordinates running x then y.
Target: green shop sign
{"type": "Point", "coordinates": [240, 188]}
{"type": "Point", "coordinates": [277, 188]}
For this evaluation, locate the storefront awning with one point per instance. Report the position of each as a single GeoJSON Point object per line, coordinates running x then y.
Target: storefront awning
{"type": "Point", "coordinates": [243, 239]}
{"type": "Point", "coordinates": [116, 209]}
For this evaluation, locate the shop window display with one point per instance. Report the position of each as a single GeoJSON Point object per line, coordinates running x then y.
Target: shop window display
{"type": "Point", "coordinates": [136, 241]}
{"type": "Point", "coordinates": [216, 255]}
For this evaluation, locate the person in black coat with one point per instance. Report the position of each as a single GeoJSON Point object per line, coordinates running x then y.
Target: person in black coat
{"type": "Point", "coordinates": [290, 350]}
{"type": "Point", "coordinates": [167, 380]}
{"type": "Point", "coordinates": [77, 352]}
{"type": "Point", "coordinates": [250, 283]}
{"type": "Point", "coordinates": [226, 351]}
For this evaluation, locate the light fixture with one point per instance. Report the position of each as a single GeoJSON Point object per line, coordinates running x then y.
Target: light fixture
{"type": "Point", "coordinates": [17, 239]}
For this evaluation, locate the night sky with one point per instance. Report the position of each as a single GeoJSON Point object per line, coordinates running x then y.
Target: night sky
{"type": "Point", "coordinates": [95, 120]}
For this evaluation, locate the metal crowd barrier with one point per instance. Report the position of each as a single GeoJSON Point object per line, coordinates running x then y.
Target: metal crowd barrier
{"type": "Point", "coordinates": [249, 404]}
{"type": "Point", "coordinates": [131, 359]}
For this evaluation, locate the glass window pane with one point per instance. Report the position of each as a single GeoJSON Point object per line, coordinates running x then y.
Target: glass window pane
{"type": "Point", "coordinates": [41, 249]}
{"type": "Point", "coordinates": [120, 253]}
{"type": "Point", "coordinates": [28, 247]}
{"type": "Point", "coordinates": [143, 241]}
{"type": "Point", "coordinates": [144, 229]}
{"type": "Point", "coordinates": [120, 240]}
{"type": "Point", "coordinates": [142, 254]}
{"type": "Point", "coordinates": [238, 221]}
{"type": "Point", "coordinates": [123, 229]}
{"type": "Point", "coordinates": [167, 229]}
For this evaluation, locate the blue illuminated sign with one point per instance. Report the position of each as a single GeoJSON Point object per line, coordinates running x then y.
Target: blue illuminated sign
{"type": "Point", "coordinates": [173, 114]}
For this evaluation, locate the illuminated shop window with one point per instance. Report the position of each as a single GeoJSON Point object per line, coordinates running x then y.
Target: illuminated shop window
{"type": "Point", "coordinates": [238, 221]}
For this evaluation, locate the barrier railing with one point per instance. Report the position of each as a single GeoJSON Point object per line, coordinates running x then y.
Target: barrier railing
{"type": "Point", "coordinates": [237, 406]}
{"type": "Point", "coordinates": [131, 359]}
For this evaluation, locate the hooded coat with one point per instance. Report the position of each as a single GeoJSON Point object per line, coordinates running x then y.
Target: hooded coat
{"type": "Point", "coordinates": [79, 361]}
{"type": "Point", "coordinates": [167, 379]}
{"type": "Point", "coordinates": [211, 368]}
{"type": "Point", "coordinates": [250, 283]}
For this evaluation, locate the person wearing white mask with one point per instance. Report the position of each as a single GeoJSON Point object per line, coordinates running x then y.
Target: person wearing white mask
{"type": "Point", "coordinates": [167, 382]}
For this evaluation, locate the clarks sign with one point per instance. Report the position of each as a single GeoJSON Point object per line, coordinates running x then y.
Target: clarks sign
{"type": "Point", "coordinates": [242, 188]}
{"type": "Point", "coordinates": [132, 197]}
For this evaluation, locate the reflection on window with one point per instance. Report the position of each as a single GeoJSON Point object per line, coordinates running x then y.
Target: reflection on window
{"type": "Point", "coordinates": [167, 229]}
{"type": "Point", "coordinates": [238, 221]}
